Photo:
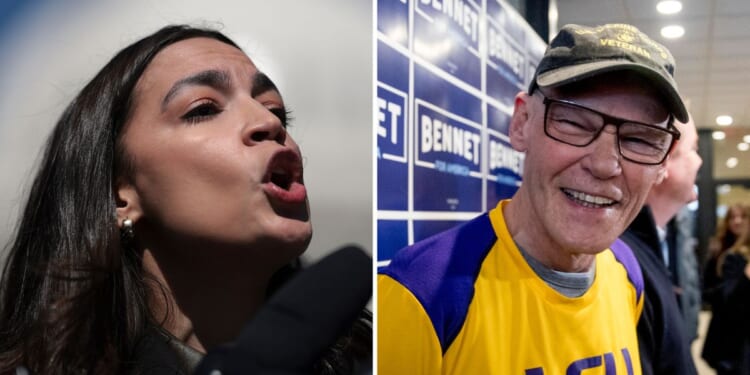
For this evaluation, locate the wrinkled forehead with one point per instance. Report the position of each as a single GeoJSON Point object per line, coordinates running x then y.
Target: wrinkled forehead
{"type": "Point", "coordinates": [634, 96]}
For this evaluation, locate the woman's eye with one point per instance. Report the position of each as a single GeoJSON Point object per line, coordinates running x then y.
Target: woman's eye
{"type": "Point", "coordinates": [202, 112]}
{"type": "Point", "coordinates": [283, 114]}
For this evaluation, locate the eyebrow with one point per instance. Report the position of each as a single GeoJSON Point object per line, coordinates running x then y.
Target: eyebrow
{"type": "Point", "coordinates": [262, 84]}
{"type": "Point", "coordinates": [217, 79]}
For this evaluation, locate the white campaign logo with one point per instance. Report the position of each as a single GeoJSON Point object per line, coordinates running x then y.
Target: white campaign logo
{"type": "Point", "coordinates": [439, 136]}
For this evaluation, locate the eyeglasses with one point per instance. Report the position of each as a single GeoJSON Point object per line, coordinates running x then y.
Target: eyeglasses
{"type": "Point", "coordinates": [576, 125]}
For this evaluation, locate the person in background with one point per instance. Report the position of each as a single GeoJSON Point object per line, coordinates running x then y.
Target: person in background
{"type": "Point", "coordinates": [536, 285]}
{"type": "Point", "coordinates": [735, 292]}
{"type": "Point", "coordinates": [727, 345]}
{"type": "Point", "coordinates": [168, 205]}
{"type": "Point", "coordinates": [686, 274]}
{"type": "Point", "coordinates": [664, 346]}
{"type": "Point", "coordinates": [726, 235]}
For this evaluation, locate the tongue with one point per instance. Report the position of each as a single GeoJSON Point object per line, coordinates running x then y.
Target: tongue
{"type": "Point", "coordinates": [294, 193]}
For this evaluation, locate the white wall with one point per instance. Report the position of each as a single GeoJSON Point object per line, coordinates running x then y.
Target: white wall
{"type": "Point", "coordinates": [317, 52]}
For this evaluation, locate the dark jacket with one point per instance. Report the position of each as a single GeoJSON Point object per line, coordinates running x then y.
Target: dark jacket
{"type": "Point", "coordinates": [159, 353]}
{"type": "Point", "coordinates": [686, 276]}
{"type": "Point", "coordinates": [727, 345]}
{"type": "Point", "coordinates": [661, 339]}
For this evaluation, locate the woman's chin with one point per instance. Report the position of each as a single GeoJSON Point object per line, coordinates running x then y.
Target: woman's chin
{"type": "Point", "coordinates": [297, 244]}
{"type": "Point", "coordinates": [291, 237]}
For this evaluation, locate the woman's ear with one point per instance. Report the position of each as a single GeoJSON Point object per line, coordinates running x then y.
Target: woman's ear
{"type": "Point", "coordinates": [518, 130]}
{"type": "Point", "coordinates": [127, 201]}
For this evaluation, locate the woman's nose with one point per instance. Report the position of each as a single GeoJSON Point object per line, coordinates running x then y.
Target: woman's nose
{"type": "Point", "coordinates": [262, 125]}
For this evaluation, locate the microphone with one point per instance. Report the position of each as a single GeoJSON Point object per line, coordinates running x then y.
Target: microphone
{"type": "Point", "coordinates": [300, 321]}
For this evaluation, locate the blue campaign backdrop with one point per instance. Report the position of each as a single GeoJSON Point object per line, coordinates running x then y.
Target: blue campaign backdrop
{"type": "Point", "coordinates": [446, 75]}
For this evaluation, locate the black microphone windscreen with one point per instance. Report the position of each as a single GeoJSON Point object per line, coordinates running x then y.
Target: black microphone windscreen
{"type": "Point", "coordinates": [305, 316]}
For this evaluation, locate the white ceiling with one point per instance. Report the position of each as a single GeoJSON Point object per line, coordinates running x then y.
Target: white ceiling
{"type": "Point", "coordinates": [713, 60]}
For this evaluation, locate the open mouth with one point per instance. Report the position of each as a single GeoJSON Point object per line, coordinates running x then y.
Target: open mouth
{"type": "Point", "coordinates": [587, 200]}
{"type": "Point", "coordinates": [284, 169]}
{"type": "Point", "coordinates": [281, 178]}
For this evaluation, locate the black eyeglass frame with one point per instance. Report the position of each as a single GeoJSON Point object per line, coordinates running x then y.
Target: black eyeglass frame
{"type": "Point", "coordinates": [616, 122]}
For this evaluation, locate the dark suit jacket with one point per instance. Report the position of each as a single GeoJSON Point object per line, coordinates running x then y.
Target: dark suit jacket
{"type": "Point", "coordinates": [661, 339]}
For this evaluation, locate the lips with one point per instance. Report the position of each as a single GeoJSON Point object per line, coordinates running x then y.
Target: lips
{"type": "Point", "coordinates": [283, 178]}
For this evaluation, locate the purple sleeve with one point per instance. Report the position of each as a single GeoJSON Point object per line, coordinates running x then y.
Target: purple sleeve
{"type": "Point", "coordinates": [624, 254]}
{"type": "Point", "coordinates": [440, 272]}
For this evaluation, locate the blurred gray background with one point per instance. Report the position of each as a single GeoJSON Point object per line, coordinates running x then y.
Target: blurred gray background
{"type": "Point", "coordinates": [318, 53]}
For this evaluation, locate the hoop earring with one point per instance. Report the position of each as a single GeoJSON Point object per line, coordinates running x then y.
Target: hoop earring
{"type": "Point", "coordinates": [127, 231]}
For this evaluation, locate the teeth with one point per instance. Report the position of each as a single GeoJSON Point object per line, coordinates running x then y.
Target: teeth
{"type": "Point", "coordinates": [589, 199]}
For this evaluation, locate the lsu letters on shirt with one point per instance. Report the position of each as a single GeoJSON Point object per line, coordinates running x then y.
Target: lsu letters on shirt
{"type": "Point", "coordinates": [466, 302]}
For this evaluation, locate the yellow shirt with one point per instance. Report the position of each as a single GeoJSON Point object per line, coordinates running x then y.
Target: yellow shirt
{"type": "Point", "coordinates": [466, 302]}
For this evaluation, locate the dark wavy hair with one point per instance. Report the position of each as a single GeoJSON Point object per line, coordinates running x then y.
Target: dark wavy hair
{"type": "Point", "coordinates": [72, 298]}
{"type": "Point", "coordinates": [724, 235]}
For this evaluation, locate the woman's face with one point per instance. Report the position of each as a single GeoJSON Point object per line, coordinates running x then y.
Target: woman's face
{"type": "Point", "coordinates": [212, 163]}
{"type": "Point", "coordinates": [736, 219]}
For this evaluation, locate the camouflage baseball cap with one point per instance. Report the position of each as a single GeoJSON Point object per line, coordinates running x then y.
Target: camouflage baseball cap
{"type": "Point", "coordinates": [579, 52]}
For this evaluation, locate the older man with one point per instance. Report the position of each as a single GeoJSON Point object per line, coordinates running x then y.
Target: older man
{"type": "Point", "coordinates": [535, 286]}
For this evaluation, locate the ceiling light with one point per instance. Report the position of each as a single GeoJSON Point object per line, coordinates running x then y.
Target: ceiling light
{"type": "Point", "coordinates": [669, 6]}
{"type": "Point", "coordinates": [672, 31]}
{"type": "Point", "coordinates": [724, 120]}
{"type": "Point", "coordinates": [718, 135]}
{"type": "Point", "coordinates": [732, 162]}
{"type": "Point", "coordinates": [746, 138]}
{"type": "Point", "coordinates": [724, 189]}
{"type": "Point", "coordinates": [743, 146]}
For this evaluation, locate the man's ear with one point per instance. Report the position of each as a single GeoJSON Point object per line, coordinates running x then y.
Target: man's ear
{"type": "Point", "coordinates": [127, 200]}
{"type": "Point", "coordinates": [518, 130]}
